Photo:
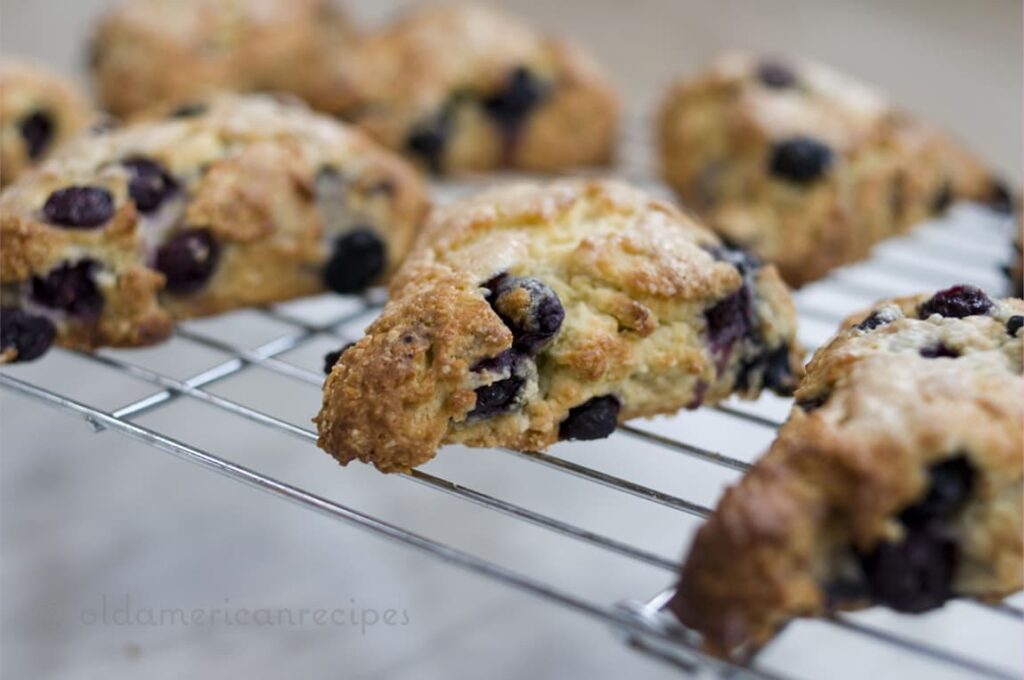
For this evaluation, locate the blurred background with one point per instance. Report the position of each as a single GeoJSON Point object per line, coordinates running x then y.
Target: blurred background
{"type": "Point", "coordinates": [956, 62]}
{"type": "Point", "coordinates": [98, 530]}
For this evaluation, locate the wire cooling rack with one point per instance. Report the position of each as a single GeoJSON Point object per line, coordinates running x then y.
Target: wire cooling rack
{"type": "Point", "coordinates": [968, 246]}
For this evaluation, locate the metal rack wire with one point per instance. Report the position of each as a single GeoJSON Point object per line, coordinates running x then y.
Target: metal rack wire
{"type": "Point", "coordinates": [936, 255]}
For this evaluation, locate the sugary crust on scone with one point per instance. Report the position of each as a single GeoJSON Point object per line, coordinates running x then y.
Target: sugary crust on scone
{"type": "Point", "coordinates": [26, 90]}
{"type": "Point", "coordinates": [881, 413]}
{"type": "Point", "coordinates": [888, 169]}
{"type": "Point", "coordinates": [148, 52]}
{"type": "Point", "coordinates": [250, 172]}
{"type": "Point", "coordinates": [450, 58]}
{"type": "Point", "coordinates": [634, 278]}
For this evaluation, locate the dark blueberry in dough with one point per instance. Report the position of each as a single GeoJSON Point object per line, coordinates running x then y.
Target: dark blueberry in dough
{"type": "Point", "coordinates": [873, 321]}
{"type": "Point", "coordinates": [79, 207]}
{"type": "Point", "coordinates": [70, 288]}
{"type": "Point", "coordinates": [949, 484]}
{"type": "Point", "coordinates": [744, 261]}
{"type": "Point", "coordinates": [956, 302]}
{"type": "Point", "coordinates": [593, 419]}
{"type": "Point", "coordinates": [914, 575]}
{"type": "Point", "coordinates": [428, 138]}
{"type": "Point", "coordinates": [943, 199]}
{"type": "Point", "coordinates": [190, 110]}
{"type": "Point", "coordinates": [188, 260]}
{"type": "Point", "coordinates": [28, 334]}
{"type": "Point", "coordinates": [937, 351]}
{"type": "Point", "coordinates": [729, 320]}
{"type": "Point", "coordinates": [1000, 197]}
{"type": "Point", "coordinates": [331, 358]}
{"type": "Point", "coordinates": [799, 160]}
{"type": "Point", "coordinates": [530, 309]}
{"type": "Point", "coordinates": [776, 75]}
{"type": "Point", "coordinates": [150, 183]}
{"type": "Point", "coordinates": [1014, 324]}
{"type": "Point", "coordinates": [498, 397]}
{"type": "Point", "coordinates": [358, 259]}
{"type": "Point", "coordinates": [773, 368]}
{"type": "Point", "coordinates": [812, 403]}
{"type": "Point", "coordinates": [521, 94]}
{"type": "Point", "coordinates": [506, 361]}
{"type": "Point", "coordinates": [37, 130]}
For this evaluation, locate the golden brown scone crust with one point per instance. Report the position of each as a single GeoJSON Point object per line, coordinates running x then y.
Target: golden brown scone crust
{"type": "Point", "coordinates": [888, 171]}
{"type": "Point", "coordinates": [876, 415]}
{"type": "Point", "coordinates": [273, 184]}
{"type": "Point", "coordinates": [444, 62]}
{"type": "Point", "coordinates": [635, 279]}
{"type": "Point", "coordinates": [28, 90]}
{"type": "Point", "coordinates": [157, 52]}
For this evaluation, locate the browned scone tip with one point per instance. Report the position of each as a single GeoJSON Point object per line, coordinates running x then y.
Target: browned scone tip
{"type": "Point", "coordinates": [536, 313]}
{"type": "Point", "coordinates": [238, 201]}
{"type": "Point", "coordinates": [896, 480]}
{"type": "Point", "coordinates": [466, 87]}
{"type": "Point", "coordinates": [39, 111]}
{"type": "Point", "coordinates": [807, 167]}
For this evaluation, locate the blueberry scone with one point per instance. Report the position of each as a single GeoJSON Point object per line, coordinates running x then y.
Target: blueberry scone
{"type": "Point", "coordinates": [244, 202]}
{"type": "Point", "coordinates": [896, 480]}
{"type": "Point", "coordinates": [537, 313]}
{"type": "Point", "coordinates": [157, 52]}
{"type": "Point", "coordinates": [39, 111]}
{"type": "Point", "coordinates": [465, 87]}
{"type": "Point", "coordinates": [806, 167]}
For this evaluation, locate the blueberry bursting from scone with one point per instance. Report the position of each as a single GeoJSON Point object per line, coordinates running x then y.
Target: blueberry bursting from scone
{"type": "Point", "coordinates": [538, 313]}
{"type": "Point", "coordinates": [896, 480]}
{"type": "Point", "coordinates": [240, 201]}
{"type": "Point", "coordinates": [806, 167]}
{"type": "Point", "coordinates": [465, 87]}
{"type": "Point", "coordinates": [39, 111]}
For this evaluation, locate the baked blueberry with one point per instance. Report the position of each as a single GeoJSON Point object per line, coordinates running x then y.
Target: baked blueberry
{"type": "Point", "coordinates": [521, 94]}
{"type": "Point", "coordinates": [504, 362]}
{"type": "Point", "coordinates": [359, 257]}
{"type": "Point", "coordinates": [70, 288]}
{"type": "Point", "coordinates": [729, 320]}
{"type": "Point", "coordinates": [331, 358]}
{"type": "Point", "coordinates": [427, 140]}
{"type": "Point", "coordinates": [773, 368]}
{"type": "Point", "coordinates": [79, 207]}
{"type": "Point", "coordinates": [188, 260]}
{"type": "Point", "coordinates": [150, 184]}
{"type": "Point", "coordinates": [915, 574]}
{"type": "Point", "coordinates": [949, 484]}
{"type": "Point", "coordinates": [942, 199]}
{"type": "Point", "coordinates": [530, 309]}
{"type": "Point", "coordinates": [1000, 198]}
{"type": "Point", "coordinates": [498, 397]}
{"type": "Point", "coordinates": [873, 321]}
{"type": "Point", "coordinates": [799, 160]}
{"type": "Point", "coordinates": [776, 75]}
{"type": "Point", "coordinates": [956, 302]}
{"type": "Point", "coordinates": [593, 419]}
{"type": "Point", "coordinates": [37, 130]}
{"type": "Point", "coordinates": [1014, 324]}
{"type": "Point", "coordinates": [812, 403]}
{"type": "Point", "coordinates": [938, 351]}
{"type": "Point", "coordinates": [28, 334]}
{"type": "Point", "coordinates": [190, 110]}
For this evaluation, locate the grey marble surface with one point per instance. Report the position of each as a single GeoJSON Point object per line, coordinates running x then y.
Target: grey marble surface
{"type": "Point", "coordinates": [102, 536]}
